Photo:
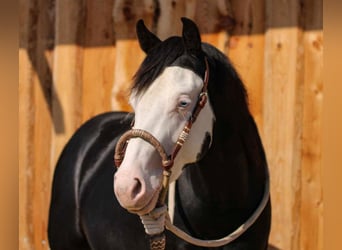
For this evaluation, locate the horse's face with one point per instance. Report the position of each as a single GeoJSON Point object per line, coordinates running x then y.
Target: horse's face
{"type": "Point", "coordinates": [162, 110]}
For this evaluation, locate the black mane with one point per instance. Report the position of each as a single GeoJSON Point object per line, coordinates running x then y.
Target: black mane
{"type": "Point", "coordinates": [227, 93]}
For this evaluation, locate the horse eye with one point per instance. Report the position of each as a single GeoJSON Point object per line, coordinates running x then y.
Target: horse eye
{"type": "Point", "coordinates": [183, 103]}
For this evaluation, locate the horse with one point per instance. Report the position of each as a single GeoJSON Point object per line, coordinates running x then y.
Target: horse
{"type": "Point", "coordinates": [219, 173]}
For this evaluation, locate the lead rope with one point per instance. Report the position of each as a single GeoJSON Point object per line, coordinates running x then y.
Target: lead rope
{"type": "Point", "coordinates": [156, 230]}
{"type": "Point", "coordinates": [232, 236]}
{"type": "Point", "coordinates": [153, 223]}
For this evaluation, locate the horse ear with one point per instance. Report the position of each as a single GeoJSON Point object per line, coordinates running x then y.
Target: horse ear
{"type": "Point", "coordinates": [147, 39]}
{"type": "Point", "coordinates": [191, 36]}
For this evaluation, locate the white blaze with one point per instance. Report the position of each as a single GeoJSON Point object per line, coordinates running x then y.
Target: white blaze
{"type": "Point", "coordinates": [159, 111]}
{"type": "Point", "coordinates": [162, 110]}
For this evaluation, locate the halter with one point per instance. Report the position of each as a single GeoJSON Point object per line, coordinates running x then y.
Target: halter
{"type": "Point", "coordinates": [167, 160]}
{"type": "Point", "coordinates": [157, 241]}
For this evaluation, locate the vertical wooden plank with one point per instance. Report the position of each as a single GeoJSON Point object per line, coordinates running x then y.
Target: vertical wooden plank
{"type": "Point", "coordinates": [67, 73]}
{"type": "Point", "coordinates": [25, 153]}
{"type": "Point", "coordinates": [246, 50]}
{"type": "Point", "coordinates": [26, 110]}
{"type": "Point", "coordinates": [129, 55]}
{"type": "Point", "coordinates": [124, 71]}
{"type": "Point", "coordinates": [283, 119]}
{"type": "Point", "coordinates": [35, 123]}
{"type": "Point", "coordinates": [214, 19]}
{"type": "Point", "coordinates": [169, 23]}
{"type": "Point", "coordinates": [98, 58]}
{"type": "Point", "coordinates": [42, 122]}
{"type": "Point", "coordinates": [312, 193]}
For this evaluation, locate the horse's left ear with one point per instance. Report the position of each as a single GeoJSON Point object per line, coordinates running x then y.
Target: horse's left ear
{"type": "Point", "coordinates": [191, 36]}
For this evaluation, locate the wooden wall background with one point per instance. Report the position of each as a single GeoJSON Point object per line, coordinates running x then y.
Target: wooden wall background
{"type": "Point", "coordinates": [76, 59]}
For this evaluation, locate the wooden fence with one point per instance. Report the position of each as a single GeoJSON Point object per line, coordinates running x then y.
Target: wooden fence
{"type": "Point", "coordinates": [76, 60]}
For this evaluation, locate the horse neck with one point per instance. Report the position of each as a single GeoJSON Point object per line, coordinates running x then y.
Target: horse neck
{"type": "Point", "coordinates": [232, 172]}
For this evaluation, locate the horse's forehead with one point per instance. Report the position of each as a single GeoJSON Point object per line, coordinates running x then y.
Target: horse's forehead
{"type": "Point", "coordinates": [173, 81]}
{"type": "Point", "coordinates": [179, 73]}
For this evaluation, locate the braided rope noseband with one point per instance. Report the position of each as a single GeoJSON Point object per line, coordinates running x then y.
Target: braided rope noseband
{"type": "Point", "coordinates": [157, 239]}
{"type": "Point", "coordinates": [146, 136]}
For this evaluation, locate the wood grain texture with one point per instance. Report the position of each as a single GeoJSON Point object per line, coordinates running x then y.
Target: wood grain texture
{"type": "Point", "coordinates": [246, 50]}
{"type": "Point", "coordinates": [127, 60]}
{"type": "Point", "coordinates": [35, 123]}
{"type": "Point", "coordinates": [312, 192]}
{"type": "Point", "coordinates": [169, 22]}
{"type": "Point", "coordinates": [42, 171]}
{"type": "Point", "coordinates": [210, 15]}
{"type": "Point", "coordinates": [98, 58]}
{"type": "Point", "coordinates": [282, 133]}
{"type": "Point", "coordinates": [67, 73]}
{"type": "Point", "coordinates": [283, 90]}
{"type": "Point", "coordinates": [25, 152]}
{"type": "Point", "coordinates": [26, 112]}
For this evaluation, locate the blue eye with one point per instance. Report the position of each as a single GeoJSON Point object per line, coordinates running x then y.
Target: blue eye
{"type": "Point", "coordinates": [184, 103]}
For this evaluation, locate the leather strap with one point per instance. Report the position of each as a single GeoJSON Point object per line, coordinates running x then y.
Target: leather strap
{"type": "Point", "coordinates": [167, 161]}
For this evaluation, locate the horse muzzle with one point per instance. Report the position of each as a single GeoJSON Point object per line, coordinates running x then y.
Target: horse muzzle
{"type": "Point", "coordinates": [132, 188]}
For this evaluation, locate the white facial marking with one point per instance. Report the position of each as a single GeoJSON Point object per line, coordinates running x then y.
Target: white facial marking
{"type": "Point", "coordinates": [163, 111]}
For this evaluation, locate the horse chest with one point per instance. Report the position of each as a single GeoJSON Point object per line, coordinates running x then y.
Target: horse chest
{"type": "Point", "coordinates": [206, 217]}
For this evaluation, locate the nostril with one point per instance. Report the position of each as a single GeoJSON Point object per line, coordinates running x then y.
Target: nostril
{"type": "Point", "coordinates": [137, 187]}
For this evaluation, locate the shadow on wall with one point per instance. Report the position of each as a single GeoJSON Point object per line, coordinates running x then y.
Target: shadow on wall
{"type": "Point", "coordinates": [43, 18]}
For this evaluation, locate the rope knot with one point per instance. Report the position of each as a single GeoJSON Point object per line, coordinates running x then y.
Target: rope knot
{"type": "Point", "coordinates": [154, 222]}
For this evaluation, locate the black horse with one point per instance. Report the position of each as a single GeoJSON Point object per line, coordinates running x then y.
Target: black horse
{"type": "Point", "coordinates": [220, 172]}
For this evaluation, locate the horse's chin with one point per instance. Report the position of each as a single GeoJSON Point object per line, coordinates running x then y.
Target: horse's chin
{"type": "Point", "coordinates": [147, 207]}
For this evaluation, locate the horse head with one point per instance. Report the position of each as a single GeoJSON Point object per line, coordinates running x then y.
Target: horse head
{"type": "Point", "coordinates": [165, 93]}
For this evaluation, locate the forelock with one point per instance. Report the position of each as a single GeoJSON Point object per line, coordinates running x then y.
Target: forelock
{"type": "Point", "coordinates": [156, 61]}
